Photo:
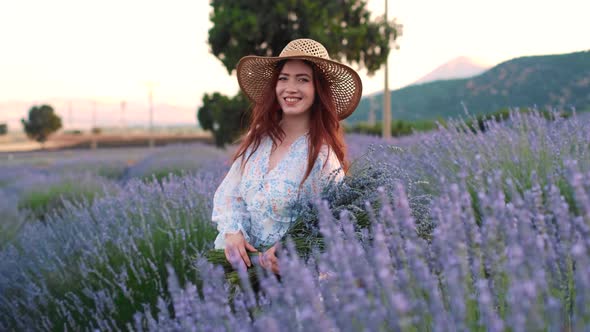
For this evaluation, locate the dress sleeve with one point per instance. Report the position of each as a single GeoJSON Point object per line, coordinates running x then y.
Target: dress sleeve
{"type": "Point", "coordinates": [326, 169]}
{"type": "Point", "coordinates": [229, 209]}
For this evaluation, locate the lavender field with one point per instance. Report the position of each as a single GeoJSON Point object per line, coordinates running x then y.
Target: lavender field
{"type": "Point", "coordinates": [467, 231]}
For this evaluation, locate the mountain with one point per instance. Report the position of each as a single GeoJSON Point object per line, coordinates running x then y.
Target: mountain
{"type": "Point", "coordinates": [460, 67]}
{"type": "Point", "coordinates": [550, 82]}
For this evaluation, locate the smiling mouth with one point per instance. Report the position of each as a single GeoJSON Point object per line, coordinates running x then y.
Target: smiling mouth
{"type": "Point", "coordinates": [291, 100]}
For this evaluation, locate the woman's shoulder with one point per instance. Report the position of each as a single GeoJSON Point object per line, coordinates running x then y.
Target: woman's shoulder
{"type": "Point", "coordinates": [326, 151]}
{"type": "Point", "coordinates": [328, 158]}
{"type": "Point", "coordinates": [255, 146]}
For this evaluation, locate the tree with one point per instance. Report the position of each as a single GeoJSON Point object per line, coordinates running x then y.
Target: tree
{"type": "Point", "coordinates": [264, 27]}
{"type": "Point", "coordinates": [225, 117]}
{"type": "Point", "coordinates": [42, 122]}
{"type": "Point", "coordinates": [3, 129]}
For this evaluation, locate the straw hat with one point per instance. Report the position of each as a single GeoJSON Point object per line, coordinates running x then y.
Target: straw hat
{"type": "Point", "coordinates": [255, 73]}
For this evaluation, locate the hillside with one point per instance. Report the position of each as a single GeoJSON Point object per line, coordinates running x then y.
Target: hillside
{"type": "Point", "coordinates": [550, 81]}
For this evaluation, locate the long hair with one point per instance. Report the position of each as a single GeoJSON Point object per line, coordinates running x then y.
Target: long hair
{"type": "Point", "coordinates": [324, 127]}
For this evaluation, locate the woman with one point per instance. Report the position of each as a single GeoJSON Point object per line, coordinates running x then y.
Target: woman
{"type": "Point", "coordinates": [294, 147]}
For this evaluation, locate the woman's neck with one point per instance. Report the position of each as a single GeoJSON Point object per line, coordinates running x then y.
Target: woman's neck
{"type": "Point", "coordinates": [295, 126]}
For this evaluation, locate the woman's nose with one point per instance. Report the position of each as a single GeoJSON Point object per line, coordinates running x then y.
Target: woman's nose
{"type": "Point", "coordinates": [291, 87]}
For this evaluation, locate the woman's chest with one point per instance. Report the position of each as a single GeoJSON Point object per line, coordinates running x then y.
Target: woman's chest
{"type": "Point", "coordinates": [274, 175]}
{"type": "Point", "coordinates": [276, 155]}
{"type": "Point", "coordinates": [282, 179]}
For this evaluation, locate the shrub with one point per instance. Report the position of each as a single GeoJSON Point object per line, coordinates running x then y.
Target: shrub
{"type": "Point", "coordinates": [398, 127]}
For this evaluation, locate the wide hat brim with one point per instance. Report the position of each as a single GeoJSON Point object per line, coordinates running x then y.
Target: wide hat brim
{"type": "Point", "coordinates": [256, 72]}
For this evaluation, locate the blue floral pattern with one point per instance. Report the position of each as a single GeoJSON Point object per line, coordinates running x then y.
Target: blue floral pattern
{"type": "Point", "coordinates": [259, 202]}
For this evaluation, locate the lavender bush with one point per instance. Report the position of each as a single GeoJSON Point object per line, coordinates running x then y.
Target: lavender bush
{"type": "Point", "coordinates": [526, 144]}
{"type": "Point", "coordinates": [40, 195]}
{"type": "Point", "coordinates": [176, 160]}
{"type": "Point", "coordinates": [69, 271]}
{"type": "Point", "coordinates": [107, 166]}
{"type": "Point", "coordinates": [513, 273]}
{"type": "Point", "coordinates": [94, 265]}
{"type": "Point", "coordinates": [507, 247]}
{"type": "Point", "coordinates": [108, 163]}
{"type": "Point", "coordinates": [42, 181]}
{"type": "Point", "coordinates": [12, 218]}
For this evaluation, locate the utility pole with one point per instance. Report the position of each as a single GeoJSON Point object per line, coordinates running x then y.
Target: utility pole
{"type": "Point", "coordinates": [386, 97]}
{"type": "Point", "coordinates": [372, 119]}
{"type": "Point", "coordinates": [94, 130]}
{"type": "Point", "coordinates": [150, 86]}
{"type": "Point", "coordinates": [94, 115]}
{"type": "Point", "coordinates": [151, 141]}
{"type": "Point", "coordinates": [151, 110]}
{"type": "Point", "coordinates": [70, 121]}
{"type": "Point", "coordinates": [123, 105]}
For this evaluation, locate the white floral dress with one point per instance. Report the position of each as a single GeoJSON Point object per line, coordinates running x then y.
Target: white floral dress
{"type": "Point", "coordinates": [260, 203]}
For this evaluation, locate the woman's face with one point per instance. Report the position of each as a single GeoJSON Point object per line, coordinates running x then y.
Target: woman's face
{"type": "Point", "coordinates": [295, 89]}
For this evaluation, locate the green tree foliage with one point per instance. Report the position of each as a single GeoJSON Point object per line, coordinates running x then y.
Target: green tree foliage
{"type": "Point", "coordinates": [225, 117]}
{"type": "Point", "coordinates": [264, 27]}
{"type": "Point", "coordinates": [3, 129]}
{"type": "Point", "coordinates": [42, 122]}
{"type": "Point", "coordinates": [398, 127]}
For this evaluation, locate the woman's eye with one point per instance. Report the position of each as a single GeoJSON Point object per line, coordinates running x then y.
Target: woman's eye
{"type": "Point", "coordinates": [282, 78]}
{"type": "Point", "coordinates": [303, 80]}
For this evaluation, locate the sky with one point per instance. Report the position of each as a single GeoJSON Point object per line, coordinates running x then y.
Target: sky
{"type": "Point", "coordinates": [88, 57]}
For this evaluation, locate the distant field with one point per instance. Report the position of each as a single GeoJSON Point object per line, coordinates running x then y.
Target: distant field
{"type": "Point", "coordinates": [16, 142]}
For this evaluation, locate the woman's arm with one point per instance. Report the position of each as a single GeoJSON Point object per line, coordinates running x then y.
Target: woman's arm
{"type": "Point", "coordinates": [230, 214]}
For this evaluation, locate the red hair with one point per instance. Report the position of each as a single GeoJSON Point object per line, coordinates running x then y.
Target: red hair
{"type": "Point", "coordinates": [324, 126]}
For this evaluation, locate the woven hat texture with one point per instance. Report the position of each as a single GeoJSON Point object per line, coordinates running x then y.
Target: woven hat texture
{"type": "Point", "coordinates": [255, 73]}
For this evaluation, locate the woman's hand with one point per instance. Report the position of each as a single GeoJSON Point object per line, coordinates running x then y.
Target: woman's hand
{"type": "Point", "coordinates": [235, 249]}
{"type": "Point", "coordinates": [269, 260]}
